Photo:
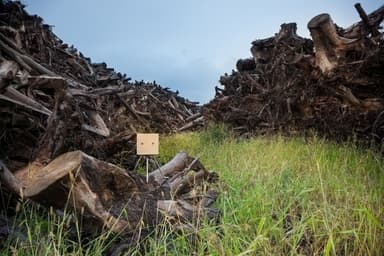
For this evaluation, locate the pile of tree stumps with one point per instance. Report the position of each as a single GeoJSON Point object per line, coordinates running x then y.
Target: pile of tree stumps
{"type": "Point", "coordinates": [332, 84]}
{"type": "Point", "coordinates": [96, 109]}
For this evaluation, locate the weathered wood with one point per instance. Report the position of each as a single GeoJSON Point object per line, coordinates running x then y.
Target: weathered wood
{"type": "Point", "coordinates": [97, 124]}
{"type": "Point", "coordinates": [12, 95]}
{"type": "Point", "coordinates": [69, 109]}
{"type": "Point", "coordinates": [16, 56]}
{"type": "Point", "coordinates": [193, 117]}
{"type": "Point", "coordinates": [178, 210]}
{"type": "Point", "coordinates": [9, 180]}
{"type": "Point", "coordinates": [15, 33]}
{"type": "Point", "coordinates": [52, 140]}
{"type": "Point", "coordinates": [187, 180]}
{"type": "Point", "coordinates": [193, 123]}
{"type": "Point", "coordinates": [128, 107]}
{"type": "Point", "coordinates": [44, 81]}
{"type": "Point", "coordinates": [182, 210]}
{"type": "Point", "coordinates": [178, 163]}
{"type": "Point", "coordinates": [329, 46]}
{"type": "Point", "coordinates": [331, 84]}
{"type": "Point", "coordinates": [98, 189]}
{"type": "Point", "coordinates": [359, 30]}
{"type": "Point", "coordinates": [365, 19]}
{"type": "Point", "coordinates": [24, 60]}
{"type": "Point", "coordinates": [8, 69]}
{"type": "Point", "coordinates": [65, 180]}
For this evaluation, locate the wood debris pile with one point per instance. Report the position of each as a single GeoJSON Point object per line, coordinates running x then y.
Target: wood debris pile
{"type": "Point", "coordinates": [100, 111]}
{"type": "Point", "coordinates": [65, 122]}
{"type": "Point", "coordinates": [332, 84]}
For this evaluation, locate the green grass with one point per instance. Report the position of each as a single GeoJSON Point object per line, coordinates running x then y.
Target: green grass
{"type": "Point", "coordinates": [290, 196]}
{"type": "Point", "coordinates": [278, 196]}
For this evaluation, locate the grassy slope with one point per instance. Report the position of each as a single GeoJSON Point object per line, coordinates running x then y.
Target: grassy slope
{"type": "Point", "coordinates": [278, 197]}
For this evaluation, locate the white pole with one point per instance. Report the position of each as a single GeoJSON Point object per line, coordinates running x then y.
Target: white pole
{"type": "Point", "coordinates": [147, 168]}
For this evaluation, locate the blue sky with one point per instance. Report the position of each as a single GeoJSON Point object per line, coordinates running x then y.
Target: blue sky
{"type": "Point", "coordinates": [184, 45]}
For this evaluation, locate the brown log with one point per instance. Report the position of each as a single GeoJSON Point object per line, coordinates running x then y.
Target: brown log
{"type": "Point", "coordinates": [177, 211]}
{"type": "Point", "coordinates": [172, 107]}
{"type": "Point", "coordinates": [193, 117]}
{"type": "Point", "coordinates": [97, 124]}
{"type": "Point", "coordinates": [14, 96]}
{"type": "Point", "coordinates": [187, 180]}
{"type": "Point", "coordinates": [57, 128]}
{"type": "Point", "coordinates": [14, 55]}
{"type": "Point", "coordinates": [147, 114]}
{"type": "Point", "coordinates": [178, 163]}
{"type": "Point", "coordinates": [67, 180]}
{"type": "Point", "coordinates": [365, 19]}
{"type": "Point", "coordinates": [9, 180]}
{"type": "Point", "coordinates": [44, 81]}
{"type": "Point", "coordinates": [15, 33]}
{"type": "Point", "coordinates": [373, 21]}
{"type": "Point", "coordinates": [194, 123]}
{"type": "Point", "coordinates": [25, 61]}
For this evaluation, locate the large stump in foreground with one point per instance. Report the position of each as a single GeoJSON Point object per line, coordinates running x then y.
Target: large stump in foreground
{"type": "Point", "coordinates": [119, 200]}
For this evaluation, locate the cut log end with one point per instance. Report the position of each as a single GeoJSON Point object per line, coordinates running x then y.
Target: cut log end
{"type": "Point", "coordinates": [326, 41]}
{"type": "Point", "coordinates": [318, 20]}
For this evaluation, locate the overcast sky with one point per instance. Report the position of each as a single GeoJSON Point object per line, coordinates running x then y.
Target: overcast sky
{"type": "Point", "coordinates": [182, 44]}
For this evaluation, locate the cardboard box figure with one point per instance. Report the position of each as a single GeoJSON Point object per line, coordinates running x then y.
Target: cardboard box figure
{"type": "Point", "coordinates": [147, 144]}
